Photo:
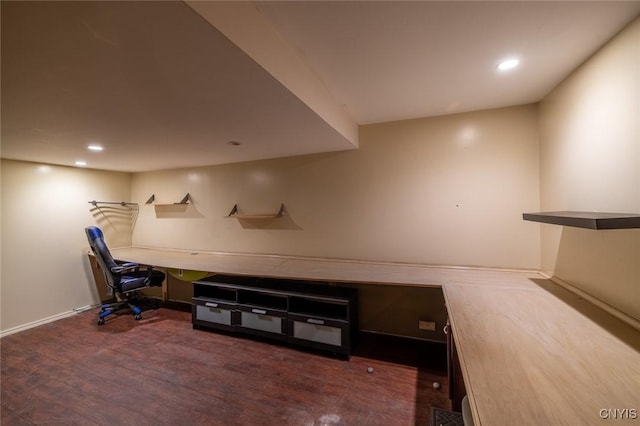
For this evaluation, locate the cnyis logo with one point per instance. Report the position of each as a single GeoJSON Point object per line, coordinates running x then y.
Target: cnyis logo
{"type": "Point", "coordinates": [618, 413]}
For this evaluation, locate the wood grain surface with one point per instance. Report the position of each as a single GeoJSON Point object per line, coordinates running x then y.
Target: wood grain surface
{"type": "Point", "coordinates": [313, 268]}
{"type": "Point", "coordinates": [534, 353]}
{"type": "Point", "coordinates": [159, 371]}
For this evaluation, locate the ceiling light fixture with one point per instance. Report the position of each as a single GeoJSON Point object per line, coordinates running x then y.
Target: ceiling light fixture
{"type": "Point", "coordinates": [95, 148]}
{"type": "Point", "coordinates": [80, 163]}
{"type": "Point", "coordinates": [508, 64]}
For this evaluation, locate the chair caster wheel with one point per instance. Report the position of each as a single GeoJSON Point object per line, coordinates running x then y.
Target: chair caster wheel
{"type": "Point", "coordinates": [138, 317]}
{"type": "Point", "coordinates": [101, 321]}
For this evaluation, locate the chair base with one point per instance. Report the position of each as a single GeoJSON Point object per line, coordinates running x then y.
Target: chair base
{"type": "Point", "coordinates": [107, 309]}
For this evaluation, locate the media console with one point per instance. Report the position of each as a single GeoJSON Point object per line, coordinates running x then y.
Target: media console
{"type": "Point", "coordinates": [312, 314]}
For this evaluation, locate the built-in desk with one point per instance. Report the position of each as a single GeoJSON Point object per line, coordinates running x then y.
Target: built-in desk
{"type": "Point", "coordinates": [313, 269]}
{"type": "Point", "coordinates": [531, 352]}
{"type": "Point", "coordinates": [304, 268]}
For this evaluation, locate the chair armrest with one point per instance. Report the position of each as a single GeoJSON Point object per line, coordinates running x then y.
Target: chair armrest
{"type": "Point", "coordinates": [125, 267]}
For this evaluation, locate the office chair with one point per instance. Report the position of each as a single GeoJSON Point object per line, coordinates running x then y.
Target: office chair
{"type": "Point", "coordinates": [124, 280]}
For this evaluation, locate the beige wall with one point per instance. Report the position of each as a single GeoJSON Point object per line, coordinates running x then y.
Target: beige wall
{"type": "Point", "coordinates": [446, 190]}
{"type": "Point", "coordinates": [45, 272]}
{"type": "Point", "coordinates": [590, 161]}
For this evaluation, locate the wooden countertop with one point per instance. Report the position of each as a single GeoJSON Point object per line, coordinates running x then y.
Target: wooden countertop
{"type": "Point", "coordinates": [534, 353]}
{"type": "Point", "coordinates": [311, 268]}
{"type": "Point", "coordinates": [531, 352]}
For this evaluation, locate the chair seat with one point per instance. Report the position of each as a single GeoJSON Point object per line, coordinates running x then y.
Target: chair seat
{"type": "Point", "coordinates": [132, 283]}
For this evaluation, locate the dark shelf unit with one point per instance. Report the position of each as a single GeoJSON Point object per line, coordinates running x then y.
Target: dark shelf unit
{"type": "Point", "coordinates": [588, 220]}
{"type": "Point", "coordinates": [312, 314]}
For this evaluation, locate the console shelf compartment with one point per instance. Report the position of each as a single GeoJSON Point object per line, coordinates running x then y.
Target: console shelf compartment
{"type": "Point", "coordinates": [318, 308]}
{"type": "Point", "coordinates": [588, 220]}
{"type": "Point", "coordinates": [262, 299]}
{"type": "Point", "coordinates": [315, 315]}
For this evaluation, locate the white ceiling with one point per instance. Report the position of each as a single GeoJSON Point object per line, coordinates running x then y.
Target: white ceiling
{"type": "Point", "coordinates": [395, 60]}
{"type": "Point", "coordinates": [160, 87]}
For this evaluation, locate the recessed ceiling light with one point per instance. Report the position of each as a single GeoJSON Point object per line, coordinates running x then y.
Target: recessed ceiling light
{"type": "Point", "coordinates": [80, 163]}
{"type": "Point", "coordinates": [508, 64]}
{"type": "Point", "coordinates": [96, 148]}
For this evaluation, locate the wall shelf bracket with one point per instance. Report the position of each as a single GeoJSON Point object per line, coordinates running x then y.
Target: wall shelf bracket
{"type": "Point", "coordinates": [235, 214]}
{"type": "Point", "coordinates": [185, 201]}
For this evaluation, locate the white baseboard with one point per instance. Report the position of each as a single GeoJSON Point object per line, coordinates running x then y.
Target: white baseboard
{"type": "Point", "coordinates": [42, 321]}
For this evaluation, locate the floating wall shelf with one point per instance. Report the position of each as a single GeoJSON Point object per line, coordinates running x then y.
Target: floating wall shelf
{"type": "Point", "coordinates": [588, 220]}
{"type": "Point", "coordinates": [234, 214]}
{"type": "Point", "coordinates": [185, 200]}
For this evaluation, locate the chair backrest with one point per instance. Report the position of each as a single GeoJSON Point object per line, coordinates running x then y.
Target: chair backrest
{"type": "Point", "coordinates": [103, 256]}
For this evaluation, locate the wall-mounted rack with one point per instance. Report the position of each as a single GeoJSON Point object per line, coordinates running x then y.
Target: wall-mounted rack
{"type": "Point", "coordinates": [588, 220]}
{"type": "Point", "coordinates": [185, 200]}
{"type": "Point", "coordinates": [235, 214]}
{"type": "Point", "coordinates": [121, 203]}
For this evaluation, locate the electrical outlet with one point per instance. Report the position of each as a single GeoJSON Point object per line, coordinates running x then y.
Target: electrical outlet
{"type": "Point", "coordinates": [427, 325]}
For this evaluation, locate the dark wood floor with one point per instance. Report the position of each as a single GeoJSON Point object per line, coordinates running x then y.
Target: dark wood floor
{"type": "Point", "coordinates": [159, 371]}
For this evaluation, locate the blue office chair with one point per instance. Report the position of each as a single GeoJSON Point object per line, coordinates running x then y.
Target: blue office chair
{"type": "Point", "coordinates": [124, 280]}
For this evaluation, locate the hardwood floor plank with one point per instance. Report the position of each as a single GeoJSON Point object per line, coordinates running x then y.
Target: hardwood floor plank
{"type": "Point", "coordinates": [10, 417]}
{"type": "Point", "coordinates": [160, 371]}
